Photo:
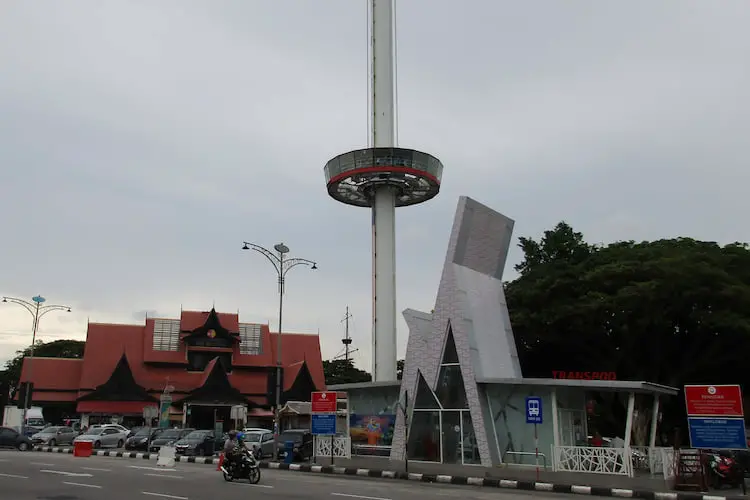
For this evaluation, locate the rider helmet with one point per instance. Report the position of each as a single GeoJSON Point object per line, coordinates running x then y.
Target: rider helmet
{"type": "Point", "coordinates": [232, 434]}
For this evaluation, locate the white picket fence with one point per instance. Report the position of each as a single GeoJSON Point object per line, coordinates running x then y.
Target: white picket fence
{"type": "Point", "coordinates": [340, 446]}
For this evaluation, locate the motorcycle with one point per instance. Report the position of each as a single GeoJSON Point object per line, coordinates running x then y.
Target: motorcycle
{"type": "Point", "coordinates": [723, 471]}
{"type": "Point", "coordinates": [247, 468]}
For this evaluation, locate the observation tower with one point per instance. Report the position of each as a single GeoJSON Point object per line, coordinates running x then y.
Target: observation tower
{"type": "Point", "coordinates": [383, 177]}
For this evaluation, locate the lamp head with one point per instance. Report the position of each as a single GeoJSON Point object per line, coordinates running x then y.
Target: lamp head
{"type": "Point", "coordinates": [5, 300]}
{"type": "Point", "coordinates": [245, 247]}
{"type": "Point", "coordinates": [314, 266]}
{"type": "Point", "coordinates": [68, 310]}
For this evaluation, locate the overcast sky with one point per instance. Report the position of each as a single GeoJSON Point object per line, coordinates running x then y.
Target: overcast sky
{"type": "Point", "coordinates": [142, 141]}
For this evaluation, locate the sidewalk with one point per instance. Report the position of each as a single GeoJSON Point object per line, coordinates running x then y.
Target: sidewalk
{"type": "Point", "coordinates": [479, 478]}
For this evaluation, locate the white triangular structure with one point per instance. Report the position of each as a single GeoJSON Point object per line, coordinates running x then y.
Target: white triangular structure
{"type": "Point", "coordinates": [471, 305]}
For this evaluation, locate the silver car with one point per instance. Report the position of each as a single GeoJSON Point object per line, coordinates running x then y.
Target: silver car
{"type": "Point", "coordinates": [102, 437]}
{"type": "Point", "coordinates": [52, 436]}
{"type": "Point", "coordinates": [262, 439]}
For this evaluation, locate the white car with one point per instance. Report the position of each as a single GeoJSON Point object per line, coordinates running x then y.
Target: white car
{"type": "Point", "coordinates": [101, 437]}
{"type": "Point", "coordinates": [116, 426]}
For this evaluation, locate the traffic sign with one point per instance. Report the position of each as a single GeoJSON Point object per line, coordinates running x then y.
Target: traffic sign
{"type": "Point", "coordinates": [717, 433]}
{"type": "Point", "coordinates": [323, 402]}
{"type": "Point", "coordinates": [713, 401]}
{"type": "Point", "coordinates": [323, 424]}
{"type": "Point", "coordinates": [533, 410]}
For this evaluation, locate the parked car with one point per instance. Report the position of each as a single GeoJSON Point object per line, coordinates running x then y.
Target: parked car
{"type": "Point", "coordinates": [303, 443]}
{"type": "Point", "coordinates": [134, 430]}
{"type": "Point", "coordinates": [11, 438]}
{"type": "Point", "coordinates": [103, 437]}
{"type": "Point", "coordinates": [262, 439]}
{"type": "Point", "coordinates": [198, 443]}
{"type": "Point", "coordinates": [141, 439]}
{"type": "Point", "coordinates": [168, 438]}
{"type": "Point", "coordinates": [54, 435]}
{"type": "Point", "coordinates": [114, 426]}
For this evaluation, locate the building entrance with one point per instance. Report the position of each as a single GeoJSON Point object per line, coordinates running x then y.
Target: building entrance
{"type": "Point", "coordinates": [208, 417]}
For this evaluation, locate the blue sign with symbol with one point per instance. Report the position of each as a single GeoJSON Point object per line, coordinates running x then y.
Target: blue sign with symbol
{"type": "Point", "coordinates": [323, 424]}
{"type": "Point", "coordinates": [717, 433]}
{"type": "Point", "coordinates": [533, 410]}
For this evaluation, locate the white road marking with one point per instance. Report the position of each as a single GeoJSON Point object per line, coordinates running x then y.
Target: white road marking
{"type": "Point", "coordinates": [63, 473]}
{"type": "Point", "coordinates": [82, 484]}
{"type": "Point", "coordinates": [43, 464]}
{"type": "Point", "coordinates": [14, 476]}
{"type": "Point", "coordinates": [163, 495]}
{"type": "Point", "coordinates": [255, 485]}
{"type": "Point", "coordinates": [4, 460]}
{"type": "Point", "coordinates": [157, 469]}
{"type": "Point", "coordinates": [163, 475]}
{"type": "Point", "coordinates": [96, 469]}
{"type": "Point", "coordinates": [358, 496]}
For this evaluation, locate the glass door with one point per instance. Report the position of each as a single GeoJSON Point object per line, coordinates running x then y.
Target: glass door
{"type": "Point", "coordinates": [450, 436]}
{"type": "Point", "coordinates": [572, 427]}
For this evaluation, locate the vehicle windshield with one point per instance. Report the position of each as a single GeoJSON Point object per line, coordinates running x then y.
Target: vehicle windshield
{"type": "Point", "coordinates": [170, 434]}
{"type": "Point", "coordinates": [51, 430]}
{"type": "Point", "coordinates": [142, 433]}
{"type": "Point", "coordinates": [253, 437]}
{"type": "Point", "coordinates": [290, 436]}
{"type": "Point", "coordinates": [95, 431]}
{"type": "Point", "coordinates": [198, 435]}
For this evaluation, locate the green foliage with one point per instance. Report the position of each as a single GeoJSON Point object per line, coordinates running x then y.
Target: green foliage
{"type": "Point", "coordinates": [669, 311]}
{"type": "Point", "coordinates": [54, 349]}
{"type": "Point", "coordinates": [341, 371]}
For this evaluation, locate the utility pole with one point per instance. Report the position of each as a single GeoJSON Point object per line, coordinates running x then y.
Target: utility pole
{"type": "Point", "coordinates": [347, 341]}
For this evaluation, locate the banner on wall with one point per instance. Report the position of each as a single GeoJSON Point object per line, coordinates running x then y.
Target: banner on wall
{"type": "Point", "coordinates": [373, 430]}
{"type": "Point", "coordinates": [164, 405]}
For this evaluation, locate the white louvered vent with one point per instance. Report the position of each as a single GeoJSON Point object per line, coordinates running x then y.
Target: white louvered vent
{"type": "Point", "coordinates": [166, 335]}
{"type": "Point", "coordinates": [250, 338]}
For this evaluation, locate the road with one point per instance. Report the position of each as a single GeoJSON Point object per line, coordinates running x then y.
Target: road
{"type": "Point", "coordinates": [52, 476]}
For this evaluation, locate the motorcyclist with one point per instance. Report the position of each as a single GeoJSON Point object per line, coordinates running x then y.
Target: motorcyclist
{"type": "Point", "coordinates": [231, 452]}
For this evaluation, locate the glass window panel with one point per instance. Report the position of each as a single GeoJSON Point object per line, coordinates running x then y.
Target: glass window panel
{"type": "Point", "coordinates": [451, 434]}
{"type": "Point", "coordinates": [425, 398]}
{"type": "Point", "coordinates": [450, 389]}
{"type": "Point", "coordinates": [450, 355]}
{"type": "Point", "coordinates": [469, 440]}
{"type": "Point", "coordinates": [424, 436]}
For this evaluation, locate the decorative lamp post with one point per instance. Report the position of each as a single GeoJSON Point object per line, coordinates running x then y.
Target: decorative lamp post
{"type": "Point", "coordinates": [37, 309]}
{"type": "Point", "coordinates": [282, 265]}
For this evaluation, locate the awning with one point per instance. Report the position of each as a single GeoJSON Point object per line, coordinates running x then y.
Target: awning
{"type": "Point", "coordinates": [259, 412]}
{"type": "Point", "coordinates": [114, 407]}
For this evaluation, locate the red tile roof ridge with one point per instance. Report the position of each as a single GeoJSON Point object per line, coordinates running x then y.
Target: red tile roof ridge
{"type": "Point", "coordinates": [54, 357]}
{"type": "Point", "coordinates": [115, 324]}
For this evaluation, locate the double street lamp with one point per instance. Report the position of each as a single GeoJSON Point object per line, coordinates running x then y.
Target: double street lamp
{"type": "Point", "coordinates": [37, 309]}
{"type": "Point", "coordinates": [282, 265]}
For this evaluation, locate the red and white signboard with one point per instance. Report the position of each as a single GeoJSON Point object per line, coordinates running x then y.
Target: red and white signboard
{"type": "Point", "coordinates": [713, 401]}
{"type": "Point", "coordinates": [323, 402]}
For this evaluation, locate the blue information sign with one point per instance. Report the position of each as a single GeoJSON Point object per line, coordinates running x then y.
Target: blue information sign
{"type": "Point", "coordinates": [717, 433]}
{"type": "Point", "coordinates": [323, 424]}
{"type": "Point", "coordinates": [533, 410]}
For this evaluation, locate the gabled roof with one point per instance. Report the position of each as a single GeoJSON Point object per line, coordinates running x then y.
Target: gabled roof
{"type": "Point", "coordinates": [57, 374]}
{"type": "Point", "coordinates": [121, 386]}
{"type": "Point", "coordinates": [215, 386]}
{"type": "Point", "coordinates": [298, 347]}
{"type": "Point", "coordinates": [191, 320]}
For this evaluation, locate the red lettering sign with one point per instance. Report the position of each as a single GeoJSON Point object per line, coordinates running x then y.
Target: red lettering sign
{"type": "Point", "coordinates": [323, 402]}
{"type": "Point", "coordinates": [713, 401]}
{"type": "Point", "coordinates": [559, 374]}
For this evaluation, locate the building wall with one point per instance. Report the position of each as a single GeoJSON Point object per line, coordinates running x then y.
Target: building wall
{"type": "Point", "coordinates": [470, 303]}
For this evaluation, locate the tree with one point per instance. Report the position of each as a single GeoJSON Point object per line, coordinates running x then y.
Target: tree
{"type": "Point", "coordinates": [342, 371]}
{"type": "Point", "coordinates": [54, 349]}
{"type": "Point", "coordinates": [558, 244]}
{"type": "Point", "coordinates": [670, 311]}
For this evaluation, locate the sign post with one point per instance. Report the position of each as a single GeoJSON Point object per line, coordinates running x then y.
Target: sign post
{"type": "Point", "coordinates": [716, 419]}
{"type": "Point", "coordinates": [323, 415]}
{"type": "Point", "coordinates": [534, 416]}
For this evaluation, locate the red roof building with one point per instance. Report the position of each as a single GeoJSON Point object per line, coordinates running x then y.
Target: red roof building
{"type": "Point", "coordinates": [207, 361]}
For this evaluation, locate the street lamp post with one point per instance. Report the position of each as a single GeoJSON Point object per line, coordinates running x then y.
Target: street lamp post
{"type": "Point", "coordinates": [37, 310]}
{"type": "Point", "coordinates": [282, 265]}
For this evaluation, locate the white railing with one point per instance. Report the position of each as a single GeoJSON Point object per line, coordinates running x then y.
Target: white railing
{"type": "Point", "coordinates": [669, 464]}
{"type": "Point", "coordinates": [338, 447]}
{"type": "Point", "coordinates": [596, 460]}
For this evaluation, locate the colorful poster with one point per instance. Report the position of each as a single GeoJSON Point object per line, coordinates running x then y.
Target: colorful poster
{"type": "Point", "coordinates": [373, 430]}
{"type": "Point", "coordinates": [164, 414]}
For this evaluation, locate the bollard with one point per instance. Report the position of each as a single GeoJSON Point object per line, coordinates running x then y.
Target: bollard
{"type": "Point", "coordinates": [221, 461]}
{"type": "Point", "coordinates": [289, 452]}
{"type": "Point", "coordinates": [83, 449]}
